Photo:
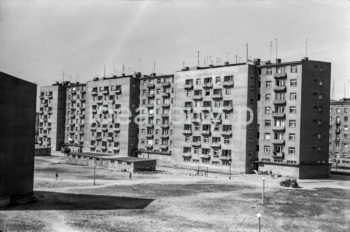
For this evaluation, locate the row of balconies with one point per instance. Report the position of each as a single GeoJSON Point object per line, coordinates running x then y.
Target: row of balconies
{"type": "Point", "coordinates": [206, 156]}
{"type": "Point", "coordinates": [209, 84]}
{"type": "Point", "coordinates": [150, 146]}
{"type": "Point", "coordinates": [207, 132]}
{"type": "Point", "coordinates": [153, 85]}
{"type": "Point", "coordinates": [209, 108]}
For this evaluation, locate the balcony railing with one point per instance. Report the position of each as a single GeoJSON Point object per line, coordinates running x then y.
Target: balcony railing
{"type": "Point", "coordinates": [278, 128]}
{"type": "Point", "coordinates": [196, 144]}
{"type": "Point", "coordinates": [165, 94]}
{"type": "Point", "coordinates": [225, 157]}
{"type": "Point", "coordinates": [226, 133]}
{"type": "Point", "coordinates": [205, 156]}
{"type": "Point", "coordinates": [227, 108]}
{"type": "Point", "coordinates": [150, 85]}
{"type": "Point", "coordinates": [187, 132]}
{"type": "Point", "coordinates": [196, 120]}
{"type": "Point", "coordinates": [280, 75]}
{"type": "Point", "coordinates": [217, 96]}
{"type": "Point", "coordinates": [215, 144]}
{"type": "Point", "coordinates": [227, 83]}
{"type": "Point", "coordinates": [278, 141]}
{"type": "Point", "coordinates": [150, 95]}
{"type": "Point", "coordinates": [337, 131]}
{"type": "Point", "coordinates": [279, 88]}
{"type": "Point", "coordinates": [279, 101]}
{"type": "Point", "coordinates": [197, 97]}
{"type": "Point", "coordinates": [188, 86]}
{"type": "Point", "coordinates": [206, 132]}
{"type": "Point", "coordinates": [278, 115]}
{"type": "Point", "coordinates": [164, 146]}
{"type": "Point", "coordinates": [187, 155]}
{"type": "Point", "coordinates": [278, 155]}
{"type": "Point", "coordinates": [208, 85]}
{"type": "Point", "coordinates": [166, 84]}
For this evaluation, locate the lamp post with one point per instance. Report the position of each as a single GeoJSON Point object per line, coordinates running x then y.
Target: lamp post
{"type": "Point", "coordinates": [259, 217]}
{"type": "Point", "coordinates": [94, 174]}
{"type": "Point", "coordinates": [263, 191]}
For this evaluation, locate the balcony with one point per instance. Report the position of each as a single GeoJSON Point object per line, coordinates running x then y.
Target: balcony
{"type": "Point", "coordinates": [227, 83]}
{"type": "Point", "coordinates": [337, 139]}
{"type": "Point", "coordinates": [166, 95]}
{"type": "Point", "coordinates": [165, 125]}
{"type": "Point", "coordinates": [41, 97]}
{"type": "Point", "coordinates": [338, 122]}
{"type": "Point", "coordinates": [164, 146]}
{"type": "Point", "coordinates": [280, 75]}
{"type": "Point", "coordinates": [278, 141]}
{"type": "Point", "coordinates": [227, 108]}
{"type": "Point", "coordinates": [166, 84]}
{"type": "Point", "coordinates": [187, 132]}
{"type": "Point", "coordinates": [117, 91]}
{"type": "Point", "coordinates": [337, 131]}
{"type": "Point", "coordinates": [110, 137]}
{"type": "Point", "coordinates": [116, 148]}
{"type": "Point", "coordinates": [278, 155]}
{"type": "Point", "coordinates": [105, 91]}
{"type": "Point", "coordinates": [197, 97]}
{"type": "Point", "coordinates": [116, 129]}
{"type": "Point", "coordinates": [149, 125]}
{"type": "Point", "coordinates": [217, 96]}
{"type": "Point", "coordinates": [164, 136]}
{"type": "Point", "coordinates": [187, 155]}
{"type": "Point", "coordinates": [206, 132]}
{"type": "Point", "coordinates": [196, 144]}
{"type": "Point", "coordinates": [216, 120]}
{"type": "Point", "coordinates": [94, 92]}
{"type": "Point", "coordinates": [279, 101]}
{"type": "Point", "coordinates": [205, 156]}
{"type": "Point", "coordinates": [279, 88]}
{"type": "Point", "coordinates": [225, 158]}
{"type": "Point", "coordinates": [99, 101]}
{"type": "Point", "coordinates": [150, 95]}
{"type": "Point", "coordinates": [208, 85]}
{"type": "Point", "coordinates": [187, 108]}
{"type": "Point", "coordinates": [150, 135]}
{"type": "Point", "coordinates": [98, 138]}
{"type": "Point", "coordinates": [149, 145]}
{"type": "Point", "coordinates": [226, 133]}
{"type": "Point", "coordinates": [278, 115]}
{"type": "Point", "coordinates": [196, 120]}
{"type": "Point", "coordinates": [278, 128]}
{"type": "Point", "coordinates": [165, 104]}
{"type": "Point", "coordinates": [188, 86]}
{"type": "Point", "coordinates": [104, 128]}
{"type": "Point", "coordinates": [150, 85]}
{"type": "Point", "coordinates": [215, 144]}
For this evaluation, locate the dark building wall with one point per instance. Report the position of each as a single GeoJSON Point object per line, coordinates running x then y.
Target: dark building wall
{"type": "Point", "coordinates": [17, 137]}
{"type": "Point", "coordinates": [134, 105]}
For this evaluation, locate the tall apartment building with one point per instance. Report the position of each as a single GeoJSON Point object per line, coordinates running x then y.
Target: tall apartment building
{"type": "Point", "coordinates": [215, 121]}
{"type": "Point", "coordinates": [110, 111]}
{"type": "Point", "coordinates": [17, 137]}
{"type": "Point", "coordinates": [75, 116]}
{"type": "Point", "coordinates": [293, 118]}
{"type": "Point", "coordinates": [339, 129]}
{"type": "Point", "coordinates": [52, 115]}
{"type": "Point", "coordinates": [155, 128]}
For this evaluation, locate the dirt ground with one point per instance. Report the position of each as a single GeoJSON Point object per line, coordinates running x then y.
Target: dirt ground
{"type": "Point", "coordinates": [175, 200]}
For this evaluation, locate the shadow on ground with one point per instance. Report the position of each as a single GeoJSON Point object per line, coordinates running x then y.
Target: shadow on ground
{"type": "Point", "coordinates": [70, 201]}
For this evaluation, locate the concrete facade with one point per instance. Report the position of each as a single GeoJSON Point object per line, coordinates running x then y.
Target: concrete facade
{"type": "Point", "coordinates": [155, 128]}
{"type": "Point", "coordinates": [339, 129]}
{"type": "Point", "coordinates": [17, 138]}
{"type": "Point", "coordinates": [293, 117]}
{"type": "Point", "coordinates": [215, 120]}
{"type": "Point", "coordinates": [75, 116]}
{"type": "Point", "coordinates": [52, 116]}
{"type": "Point", "coordinates": [111, 105]}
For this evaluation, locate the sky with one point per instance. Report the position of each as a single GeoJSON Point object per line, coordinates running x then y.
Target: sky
{"type": "Point", "coordinates": [41, 39]}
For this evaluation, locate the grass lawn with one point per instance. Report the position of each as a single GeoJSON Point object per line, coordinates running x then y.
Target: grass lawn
{"type": "Point", "coordinates": [172, 200]}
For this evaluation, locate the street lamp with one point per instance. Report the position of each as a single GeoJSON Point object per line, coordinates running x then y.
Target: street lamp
{"type": "Point", "coordinates": [259, 217]}
{"type": "Point", "coordinates": [263, 191]}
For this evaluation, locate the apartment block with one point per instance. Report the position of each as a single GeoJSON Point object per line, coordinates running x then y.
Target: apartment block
{"type": "Point", "coordinates": [215, 117]}
{"type": "Point", "coordinates": [17, 137]}
{"type": "Point", "coordinates": [339, 128]}
{"type": "Point", "coordinates": [75, 116]}
{"type": "Point", "coordinates": [52, 115]}
{"type": "Point", "coordinates": [110, 110]}
{"type": "Point", "coordinates": [155, 128]}
{"type": "Point", "coordinates": [293, 118]}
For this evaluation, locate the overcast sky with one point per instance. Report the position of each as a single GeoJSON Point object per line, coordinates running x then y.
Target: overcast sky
{"type": "Point", "coordinates": [41, 39]}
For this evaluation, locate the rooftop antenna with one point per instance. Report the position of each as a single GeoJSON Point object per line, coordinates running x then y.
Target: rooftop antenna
{"type": "Point", "coordinates": [227, 54]}
{"type": "Point", "coordinates": [183, 64]}
{"type": "Point", "coordinates": [113, 70]}
{"type": "Point", "coordinates": [139, 63]}
{"type": "Point", "coordinates": [306, 41]}
{"type": "Point", "coordinates": [333, 91]}
{"type": "Point", "coordinates": [76, 78]}
{"type": "Point", "coordinates": [276, 47]}
{"type": "Point", "coordinates": [123, 70]}
{"type": "Point", "coordinates": [63, 77]}
{"type": "Point", "coordinates": [204, 62]}
{"type": "Point", "coordinates": [271, 49]}
{"type": "Point", "coordinates": [198, 58]}
{"type": "Point", "coordinates": [236, 58]}
{"type": "Point", "coordinates": [154, 67]}
{"type": "Point", "coordinates": [246, 45]}
{"type": "Point", "coordinates": [104, 70]}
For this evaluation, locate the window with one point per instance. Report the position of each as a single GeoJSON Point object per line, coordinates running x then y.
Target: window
{"type": "Point", "coordinates": [267, 110]}
{"type": "Point", "coordinates": [218, 80]}
{"type": "Point", "coordinates": [268, 71]}
{"type": "Point", "coordinates": [346, 118]}
{"type": "Point", "coordinates": [267, 136]}
{"type": "Point", "coordinates": [267, 123]}
{"type": "Point", "coordinates": [198, 81]}
{"type": "Point", "coordinates": [293, 68]}
{"type": "Point", "coordinates": [292, 123]}
{"type": "Point", "coordinates": [291, 137]}
{"type": "Point", "coordinates": [227, 91]}
{"type": "Point", "coordinates": [291, 150]}
{"type": "Point", "coordinates": [346, 127]}
{"type": "Point", "coordinates": [268, 84]}
{"type": "Point", "coordinates": [293, 82]}
{"type": "Point", "coordinates": [293, 96]}
{"type": "Point", "coordinates": [346, 110]}
{"type": "Point", "coordinates": [281, 70]}
{"type": "Point", "coordinates": [267, 97]}
{"type": "Point", "coordinates": [188, 93]}
{"type": "Point", "coordinates": [292, 109]}
{"type": "Point", "coordinates": [267, 149]}
{"type": "Point", "coordinates": [320, 97]}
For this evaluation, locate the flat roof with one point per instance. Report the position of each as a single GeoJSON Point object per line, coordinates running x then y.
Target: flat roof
{"type": "Point", "coordinates": [114, 158]}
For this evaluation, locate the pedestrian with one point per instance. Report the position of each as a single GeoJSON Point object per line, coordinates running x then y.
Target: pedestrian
{"type": "Point", "coordinates": [130, 175]}
{"type": "Point", "coordinates": [56, 176]}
